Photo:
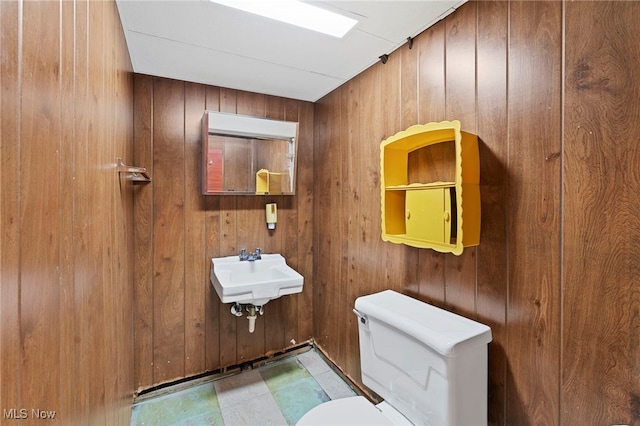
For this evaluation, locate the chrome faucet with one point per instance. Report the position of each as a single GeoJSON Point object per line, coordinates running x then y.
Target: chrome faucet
{"type": "Point", "coordinates": [257, 255]}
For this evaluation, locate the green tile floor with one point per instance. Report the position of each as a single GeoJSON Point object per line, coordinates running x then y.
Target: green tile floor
{"type": "Point", "coordinates": [278, 393]}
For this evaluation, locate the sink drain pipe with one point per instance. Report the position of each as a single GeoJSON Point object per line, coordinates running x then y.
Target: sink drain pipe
{"type": "Point", "coordinates": [252, 318]}
{"type": "Point", "coordinates": [253, 311]}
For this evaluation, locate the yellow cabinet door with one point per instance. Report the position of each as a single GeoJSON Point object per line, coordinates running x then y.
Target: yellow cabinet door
{"type": "Point", "coordinates": [427, 215]}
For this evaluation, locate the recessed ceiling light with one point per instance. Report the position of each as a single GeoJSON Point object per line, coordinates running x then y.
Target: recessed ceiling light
{"type": "Point", "coordinates": [296, 13]}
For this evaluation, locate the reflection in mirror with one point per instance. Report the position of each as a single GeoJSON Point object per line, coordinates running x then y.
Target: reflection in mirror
{"type": "Point", "coordinates": [254, 163]}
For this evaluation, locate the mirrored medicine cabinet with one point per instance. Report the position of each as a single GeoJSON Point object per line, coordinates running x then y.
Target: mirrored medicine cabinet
{"type": "Point", "coordinates": [245, 155]}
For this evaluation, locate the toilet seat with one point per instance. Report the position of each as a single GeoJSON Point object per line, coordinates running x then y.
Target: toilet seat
{"type": "Point", "coordinates": [353, 411]}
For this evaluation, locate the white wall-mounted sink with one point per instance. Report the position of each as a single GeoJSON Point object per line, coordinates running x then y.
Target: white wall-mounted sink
{"type": "Point", "coordinates": [254, 282]}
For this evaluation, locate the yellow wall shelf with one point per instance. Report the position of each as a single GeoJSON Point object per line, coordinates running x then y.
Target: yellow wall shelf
{"type": "Point", "coordinates": [268, 182]}
{"type": "Point", "coordinates": [430, 176]}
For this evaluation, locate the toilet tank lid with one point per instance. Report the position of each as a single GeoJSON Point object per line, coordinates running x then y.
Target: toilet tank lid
{"type": "Point", "coordinates": [447, 333]}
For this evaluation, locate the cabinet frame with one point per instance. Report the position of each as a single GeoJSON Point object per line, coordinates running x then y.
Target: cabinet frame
{"type": "Point", "coordinates": [461, 212]}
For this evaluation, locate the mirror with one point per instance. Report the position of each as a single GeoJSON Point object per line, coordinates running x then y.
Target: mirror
{"type": "Point", "coordinates": [245, 155]}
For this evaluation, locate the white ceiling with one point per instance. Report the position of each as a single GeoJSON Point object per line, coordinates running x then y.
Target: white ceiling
{"type": "Point", "coordinates": [202, 42]}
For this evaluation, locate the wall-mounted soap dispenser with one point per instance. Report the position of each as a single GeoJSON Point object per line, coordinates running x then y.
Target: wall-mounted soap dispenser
{"type": "Point", "coordinates": [272, 215]}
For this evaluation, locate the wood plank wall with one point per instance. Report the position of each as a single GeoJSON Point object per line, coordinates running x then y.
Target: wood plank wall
{"type": "Point", "coordinates": [556, 274]}
{"type": "Point", "coordinates": [181, 327]}
{"type": "Point", "coordinates": [66, 217]}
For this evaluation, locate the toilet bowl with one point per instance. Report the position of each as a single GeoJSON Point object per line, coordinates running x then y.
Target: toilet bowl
{"type": "Point", "coordinates": [429, 365]}
{"type": "Point", "coordinates": [353, 411]}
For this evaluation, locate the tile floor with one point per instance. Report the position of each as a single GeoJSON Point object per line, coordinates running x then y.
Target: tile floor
{"type": "Point", "coordinates": [278, 393]}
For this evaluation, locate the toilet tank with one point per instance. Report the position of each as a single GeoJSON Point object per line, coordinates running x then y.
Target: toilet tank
{"type": "Point", "coordinates": [428, 363]}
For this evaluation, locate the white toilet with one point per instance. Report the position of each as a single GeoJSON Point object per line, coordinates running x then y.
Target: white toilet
{"type": "Point", "coordinates": [429, 365]}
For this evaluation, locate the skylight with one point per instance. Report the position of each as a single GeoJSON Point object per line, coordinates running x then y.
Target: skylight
{"type": "Point", "coordinates": [296, 13]}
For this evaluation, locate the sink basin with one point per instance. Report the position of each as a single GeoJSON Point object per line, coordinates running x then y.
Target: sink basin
{"type": "Point", "coordinates": [254, 282]}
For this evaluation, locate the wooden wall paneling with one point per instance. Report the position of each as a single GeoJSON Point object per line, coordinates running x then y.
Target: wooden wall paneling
{"type": "Point", "coordinates": [251, 230]}
{"type": "Point", "coordinates": [40, 210]}
{"type": "Point", "coordinates": [427, 165]}
{"type": "Point", "coordinates": [168, 230]}
{"type": "Point", "coordinates": [408, 86]}
{"type": "Point", "coordinates": [228, 247]}
{"type": "Point", "coordinates": [533, 310]}
{"type": "Point", "coordinates": [372, 132]}
{"type": "Point", "coordinates": [213, 226]}
{"type": "Point", "coordinates": [249, 103]}
{"type": "Point", "coordinates": [329, 228]}
{"type": "Point", "coordinates": [390, 116]}
{"type": "Point", "coordinates": [430, 47]}
{"type": "Point", "coordinates": [110, 202]}
{"type": "Point", "coordinates": [633, 176]}
{"type": "Point", "coordinates": [600, 229]}
{"type": "Point", "coordinates": [127, 384]}
{"type": "Point", "coordinates": [347, 238]}
{"type": "Point", "coordinates": [409, 279]}
{"type": "Point", "coordinates": [320, 126]}
{"type": "Point", "coordinates": [274, 107]}
{"type": "Point", "coordinates": [515, 105]}
{"type": "Point", "coordinates": [250, 221]}
{"type": "Point", "coordinates": [105, 156]}
{"type": "Point", "coordinates": [196, 265]}
{"type": "Point", "coordinates": [110, 215]}
{"type": "Point", "coordinates": [352, 137]}
{"type": "Point", "coordinates": [492, 253]}
{"type": "Point", "coordinates": [633, 213]}
{"type": "Point", "coordinates": [82, 216]}
{"type": "Point", "coordinates": [277, 312]}
{"type": "Point", "coordinates": [404, 62]}
{"type": "Point", "coordinates": [123, 362]}
{"type": "Point", "coordinates": [213, 305]}
{"type": "Point", "coordinates": [274, 311]}
{"type": "Point", "coordinates": [94, 288]}
{"type": "Point", "coordinates": [228, 323]}
{"type": "Point", "coordinates": [212, 249]}
{"type": "Point", "coordinates": [304, 207]}
{"type": "Point", "coordinates": [1, 222]}
{"type": "Point", "coordinates": [143, 233]}
{"type": "Point", "coordinates": [342, 239]}
{"type": "Point", "coordinates": [110, 209]}
{"type": "Point", "coordinates": [110, 132]}
{"type": "Point", "coordinates": [460, 75]}
{"type": "Point", "coordinates": [336, 230]}
{"type": "Point", "coordinates": [67, 194]}
{"type": "Point", "coordinates": [289, 218]}
{"type": "Point", "coordinates": [323, 182]}
{"type": "Point", "coordinates": [10, 88]}
{"type": "Point", "coordinates": [460, 66]}
{"type": "Point", "coordinates": [390, 104]}
{"type": "Point", "coordinates": [409, 81]}
{"type": "Point", "coordinates": [371, 270]}
{"type": "Point", "coordinates": [125, 109]}
{"type": "Point", "coordinates": [408, 96]}
{"type": "Point", "coordinates": [60, 243]}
